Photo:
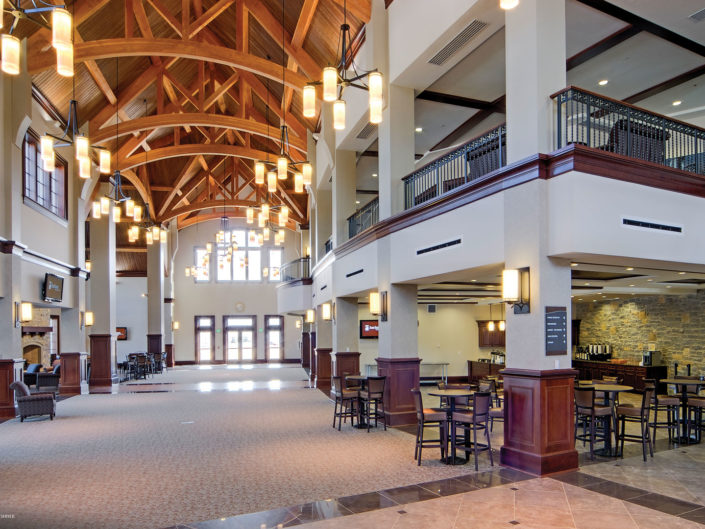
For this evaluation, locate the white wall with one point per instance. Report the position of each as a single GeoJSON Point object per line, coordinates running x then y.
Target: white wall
{"type": "Point", "coordinates": [132, 313]}
{"type": "Point", "coordinates": [218, 299]}
{"type": "Point", "coordinates": [448, 335]}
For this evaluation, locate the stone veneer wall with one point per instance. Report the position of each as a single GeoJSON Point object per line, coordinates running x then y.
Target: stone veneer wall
{"type": "Point", "coordinates": [676, 324]}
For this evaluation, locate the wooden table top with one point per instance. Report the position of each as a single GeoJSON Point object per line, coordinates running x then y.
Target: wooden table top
{"type": "Point", "coordinates": [613, 388]}
{"type": "Point", "coordinates": [356, 377]}
{"type": "Point", "coordinates": [452, 392]}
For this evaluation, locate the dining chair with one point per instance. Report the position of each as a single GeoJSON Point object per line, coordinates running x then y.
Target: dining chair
{"type": "Point", "coordinates": [472, 423]}
{"type": "Point", "coordinates": [345, 403]}
{"type": "Point", "coordinates": [668, 404]}
{"type": "Point", "coordinates": [374, 396]}
{"type": "Point", "coordinates": [590, 416]}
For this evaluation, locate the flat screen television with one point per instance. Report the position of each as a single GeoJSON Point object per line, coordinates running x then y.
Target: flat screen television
{"type": "Point", "coordinates": [53, 288]}
{"type": "Point", "coordinates": [369, 329]}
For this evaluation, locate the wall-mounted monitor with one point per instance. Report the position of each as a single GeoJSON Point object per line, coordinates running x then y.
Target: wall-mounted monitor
{"type": "Point", "coordinates": [369, 329]}
{"type": "Point", "coordinates": [53, 289]}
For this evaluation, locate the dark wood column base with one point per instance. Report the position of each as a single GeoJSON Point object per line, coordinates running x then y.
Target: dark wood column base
{"type": "Point", "coordinates": [323, 368]}
{"type": "Point", "coordinates": [169, 349]}
{"type": "Point", "coordinates": [154, 343]}
{"type": "Point", "coordinates": [347, 362]}
{"type": "Point", "coordinates": [73, 372]}
{"type": "Point", "coordinates": [306, 350]}
{"type": "Point", "coordinates": [102, 363]}
{"type": "Point", "coordinates": [10, 370]}
{"type": "Point", "coordinates": [538, 420]}
{"type": "Point", "coordinates": [402, 376]}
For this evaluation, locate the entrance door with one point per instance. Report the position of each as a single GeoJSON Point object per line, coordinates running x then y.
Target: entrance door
{"type": "Point", "coordinates": [205, 339]}
{"type": "Point", "coordinates": [239, 339]}
{"type": "Point", "coordinates": [274, 338]}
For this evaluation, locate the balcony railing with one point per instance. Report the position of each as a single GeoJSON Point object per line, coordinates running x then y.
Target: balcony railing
{"type": "Point", "coordinates": [472, 160]}
{"type": "Point", "coordinates": [297, 269]}
{"type": "Point", "coordinates": [363, 218]}
{"type": "Point", "coordinates": [328, 247]}
{"type": "Point", "coordinates": [603, 123]}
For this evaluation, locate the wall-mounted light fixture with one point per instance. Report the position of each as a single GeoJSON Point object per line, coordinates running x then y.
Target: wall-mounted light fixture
{"type": "Point", "coordinates": [515, 289]}
{"type": "Point", "coordinates": [381, 302]}
{"type": "Point", "coordinates": [23, 313]}
{"type": "Point", "coordinates": [89, 319]}
{"type": "Point", "coordinates": [175, 326]}
{"type": "Point", "coordinates": [375, 303]}
{"type": "Point", "coordinates": [326, 312]}
{"type": "Point", "coordinates": [298, 323]}
{"type": "Point", "coordinates": [310, 316]}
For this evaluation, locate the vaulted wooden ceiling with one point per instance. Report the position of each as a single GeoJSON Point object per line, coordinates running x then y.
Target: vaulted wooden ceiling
{"type": "Point", "coordinates": [188, 93]}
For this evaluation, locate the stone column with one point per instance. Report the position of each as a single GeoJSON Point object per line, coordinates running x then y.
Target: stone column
{"type": "Point", "coordinates": [538, 388]}
{"type": "Point", "coordinates": [103, 304]}
{"type": "Point", "coordinates": [346, 357]}
{"type": "Point", "coordinates": [344, 193]}
{"type": "Point", "coordinates": [155, 297]}
{"type": "Point", "coordinates": [396, 149]}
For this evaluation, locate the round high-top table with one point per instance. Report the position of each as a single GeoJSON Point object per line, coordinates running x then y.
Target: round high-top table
{"type": "Point", "coordinates": [451, 395]}
{"type": "Point", "coordinates": [610, 391]}
{"type": "Point", "coordinates": [683, 383]}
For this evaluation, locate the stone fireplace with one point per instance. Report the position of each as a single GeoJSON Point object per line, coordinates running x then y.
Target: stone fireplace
{"type": "Point", "coordinates": [35, 338]}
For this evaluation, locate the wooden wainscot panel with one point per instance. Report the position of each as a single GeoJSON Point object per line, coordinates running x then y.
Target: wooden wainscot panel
{"type": "Point", "coordinates": [402, 376]}
{"type": "Point", "coordinates": [347, 362]}
{"type": "Point", "coordinates": [9, 369]}
{"type": "Point", "coordinates": [323, 368]}
{"type": "Point", "coordinates": [538, 431]}
{"type": "Point", "coordinates": [102, 370]}
{"type": "Point", "coordinates": [71, 373]}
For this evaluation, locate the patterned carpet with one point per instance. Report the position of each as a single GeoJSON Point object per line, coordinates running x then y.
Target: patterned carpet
{"type": "Point", "coordinates": [156, 459]}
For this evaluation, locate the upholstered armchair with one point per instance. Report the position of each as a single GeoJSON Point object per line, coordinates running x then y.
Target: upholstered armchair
{"type": "Point", "coordinates": [37, 404]}
{"type": "Point", "coordinates": [30, 374]}
{"type": "Point", "coordinates": [49, 379]}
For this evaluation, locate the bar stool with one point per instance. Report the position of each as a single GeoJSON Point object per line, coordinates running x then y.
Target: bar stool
{"type": "Point", "coordinates": [638, 415]}
{"type": "Point", "coordinates": [668, 404]}
{"type": "Point", "coordinates": [429, 417]}
{"type": "Point", "coordinates": [345, 401]}
{"type": "Point", "coordinates": [473, 422]}
{"type": "Point", "coordinates": [696, 405]}
{"type": "Point", "coordinates": [587, 415]}
{"type": "Point", "coordinates": [374, 395]}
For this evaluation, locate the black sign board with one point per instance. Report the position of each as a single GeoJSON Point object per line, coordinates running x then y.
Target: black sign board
{"type": "Point", "coordinates": [556, 331]}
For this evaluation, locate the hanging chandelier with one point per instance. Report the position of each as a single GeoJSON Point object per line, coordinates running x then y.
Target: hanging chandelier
{"type": "Point", "coordinates": [336, 79]}
{"type": "Point", "coordinates": [153, 231]}
{"type": "Point", "coordinates": [279, 170]}
{"type": "Point", "coordinates": [61, 35]}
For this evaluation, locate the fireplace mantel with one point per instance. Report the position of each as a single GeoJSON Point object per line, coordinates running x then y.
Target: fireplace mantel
{"type": "Point", "coordinates": [36, 330]}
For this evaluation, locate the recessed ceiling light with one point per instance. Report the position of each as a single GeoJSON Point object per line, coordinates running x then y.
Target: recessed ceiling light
{"type": "Point", "coordinates": [676, 102]}
{"type": "Point", "coordinates": [374, 175]}
{"type": "Point", "coordinates": [669, 286]}
{"type": "Point", "coordinates": [649, 280]}
{"type": "Point", "coordinates": [587, 284]}
{"type": "Point", "coordinates": [580, 299]}
{"type": "Point", "coordinates": [630, 268]}
{"type": "Point", "coordinates": [573, 264]}
{"type": "Point", "coordinates": [418, 129]}
{"type": "Point", "coordinates": [473, 280]}
{"type": "Point", "coordinates": [631, 285]}
{"type": "Point", "coordinates": [357, 202]}
{"type": "Point", "coordinates": [603, 82]}
{"type": "Point", "coordinates": [681, 273]}
{"type": "Point", "coordinates": [572, 296]}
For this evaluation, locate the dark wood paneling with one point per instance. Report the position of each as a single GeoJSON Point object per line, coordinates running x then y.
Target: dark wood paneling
{"type": "Point", "coordinates": [402, 376]}
{"type": "Point", "coordinates": [538, 414]}
{"type": "Point", "coordinates": [169, 349]}
{"type": "Point", "coordinates": [488, 338]}
{"type": "Point", "coordinates": [7, 377]}
{"type": "Point", "coordinates": [306, 350]}
{"type": "Point", "coordinates": [347, 362]}
{"type": "Point", "coordinates": [323, 368]}
{"type": "Point", "coordinates": [102, 366]}
{"type": "Point", "coordinates": [478, 370]}
{"type": "Point", "coordinates": [154, 343]}
{"type": "Point", "coordinates": [631, 375]}
{"type": "Point", "coordinates": [71, 373]}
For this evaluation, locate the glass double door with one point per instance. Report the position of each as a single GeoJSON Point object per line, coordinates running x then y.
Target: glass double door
{"type": "Point", "coordinates": [239, 337]}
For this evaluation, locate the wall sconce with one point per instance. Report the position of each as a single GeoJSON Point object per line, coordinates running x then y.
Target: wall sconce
{"type": "Point", "coordinates": [310, 316]}
{"type": "Point", "coordinates": [298, 324]}
{"type": "Point", "coordinates": [515, 289]}
{"type": "Point", "coordinates": [375, 304]}
{"type": "Point", "coordinates": [89, 318]}
{"type": "Point", "coordinates": [175, 326]}
{"type": "Point", "coordinates": [326, 312]}
{"type": "Point", "coordinates": [23, 313]}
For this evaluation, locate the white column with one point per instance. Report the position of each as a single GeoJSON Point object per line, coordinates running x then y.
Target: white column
{"type": "Point", "coordinates": [344, 193]}
{"type": "Point", "coordinates": [323, 220]}
{"type": "Point", "coordinates": [396, 149]}
{"type": "Point", "coordinates": [155, 296]}
{"type": "Point", "coordinates": [345, 326]}
{"type": "Point", "coordinates": [535, 68]}
{"type": "Point", "coordinates": [103, 298]}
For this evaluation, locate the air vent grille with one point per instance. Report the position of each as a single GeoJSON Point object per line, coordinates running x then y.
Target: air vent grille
{"type": "Point", "coordinates": [367, 131]}
{"type": "Point", "coordinates": [431, 308]}
{"type": "Point", "coordinates": [698, 16]}
{"type": "Point", "coordinates": [458, 42]}
{"type": "Point", "coordinates": [651, 225]}
{"type": "Point", "coordinates": [438, 246]}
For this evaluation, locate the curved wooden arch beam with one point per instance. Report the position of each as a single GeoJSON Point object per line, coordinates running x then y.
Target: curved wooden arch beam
{"type": "Point", "coordinates": [205, 217]}
{"type": "Point", "coordinates": [184, 49]}
{"type": "Point", "coordinates": [210, 204]}
{"type": "Point", "coordinates": [192, 149]}
{"type": "Point", "coordinates": [195, 119]}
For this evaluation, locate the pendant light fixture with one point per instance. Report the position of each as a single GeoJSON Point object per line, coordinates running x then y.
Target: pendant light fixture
{"type": "Point", "coordinates": [61, 34]}
{"type": "Point", "coordinates": [508, 4]}
{"type": "Point", "coordinates": [335, 80]}
{"type": "Point", "coordinates": [490, 325]}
